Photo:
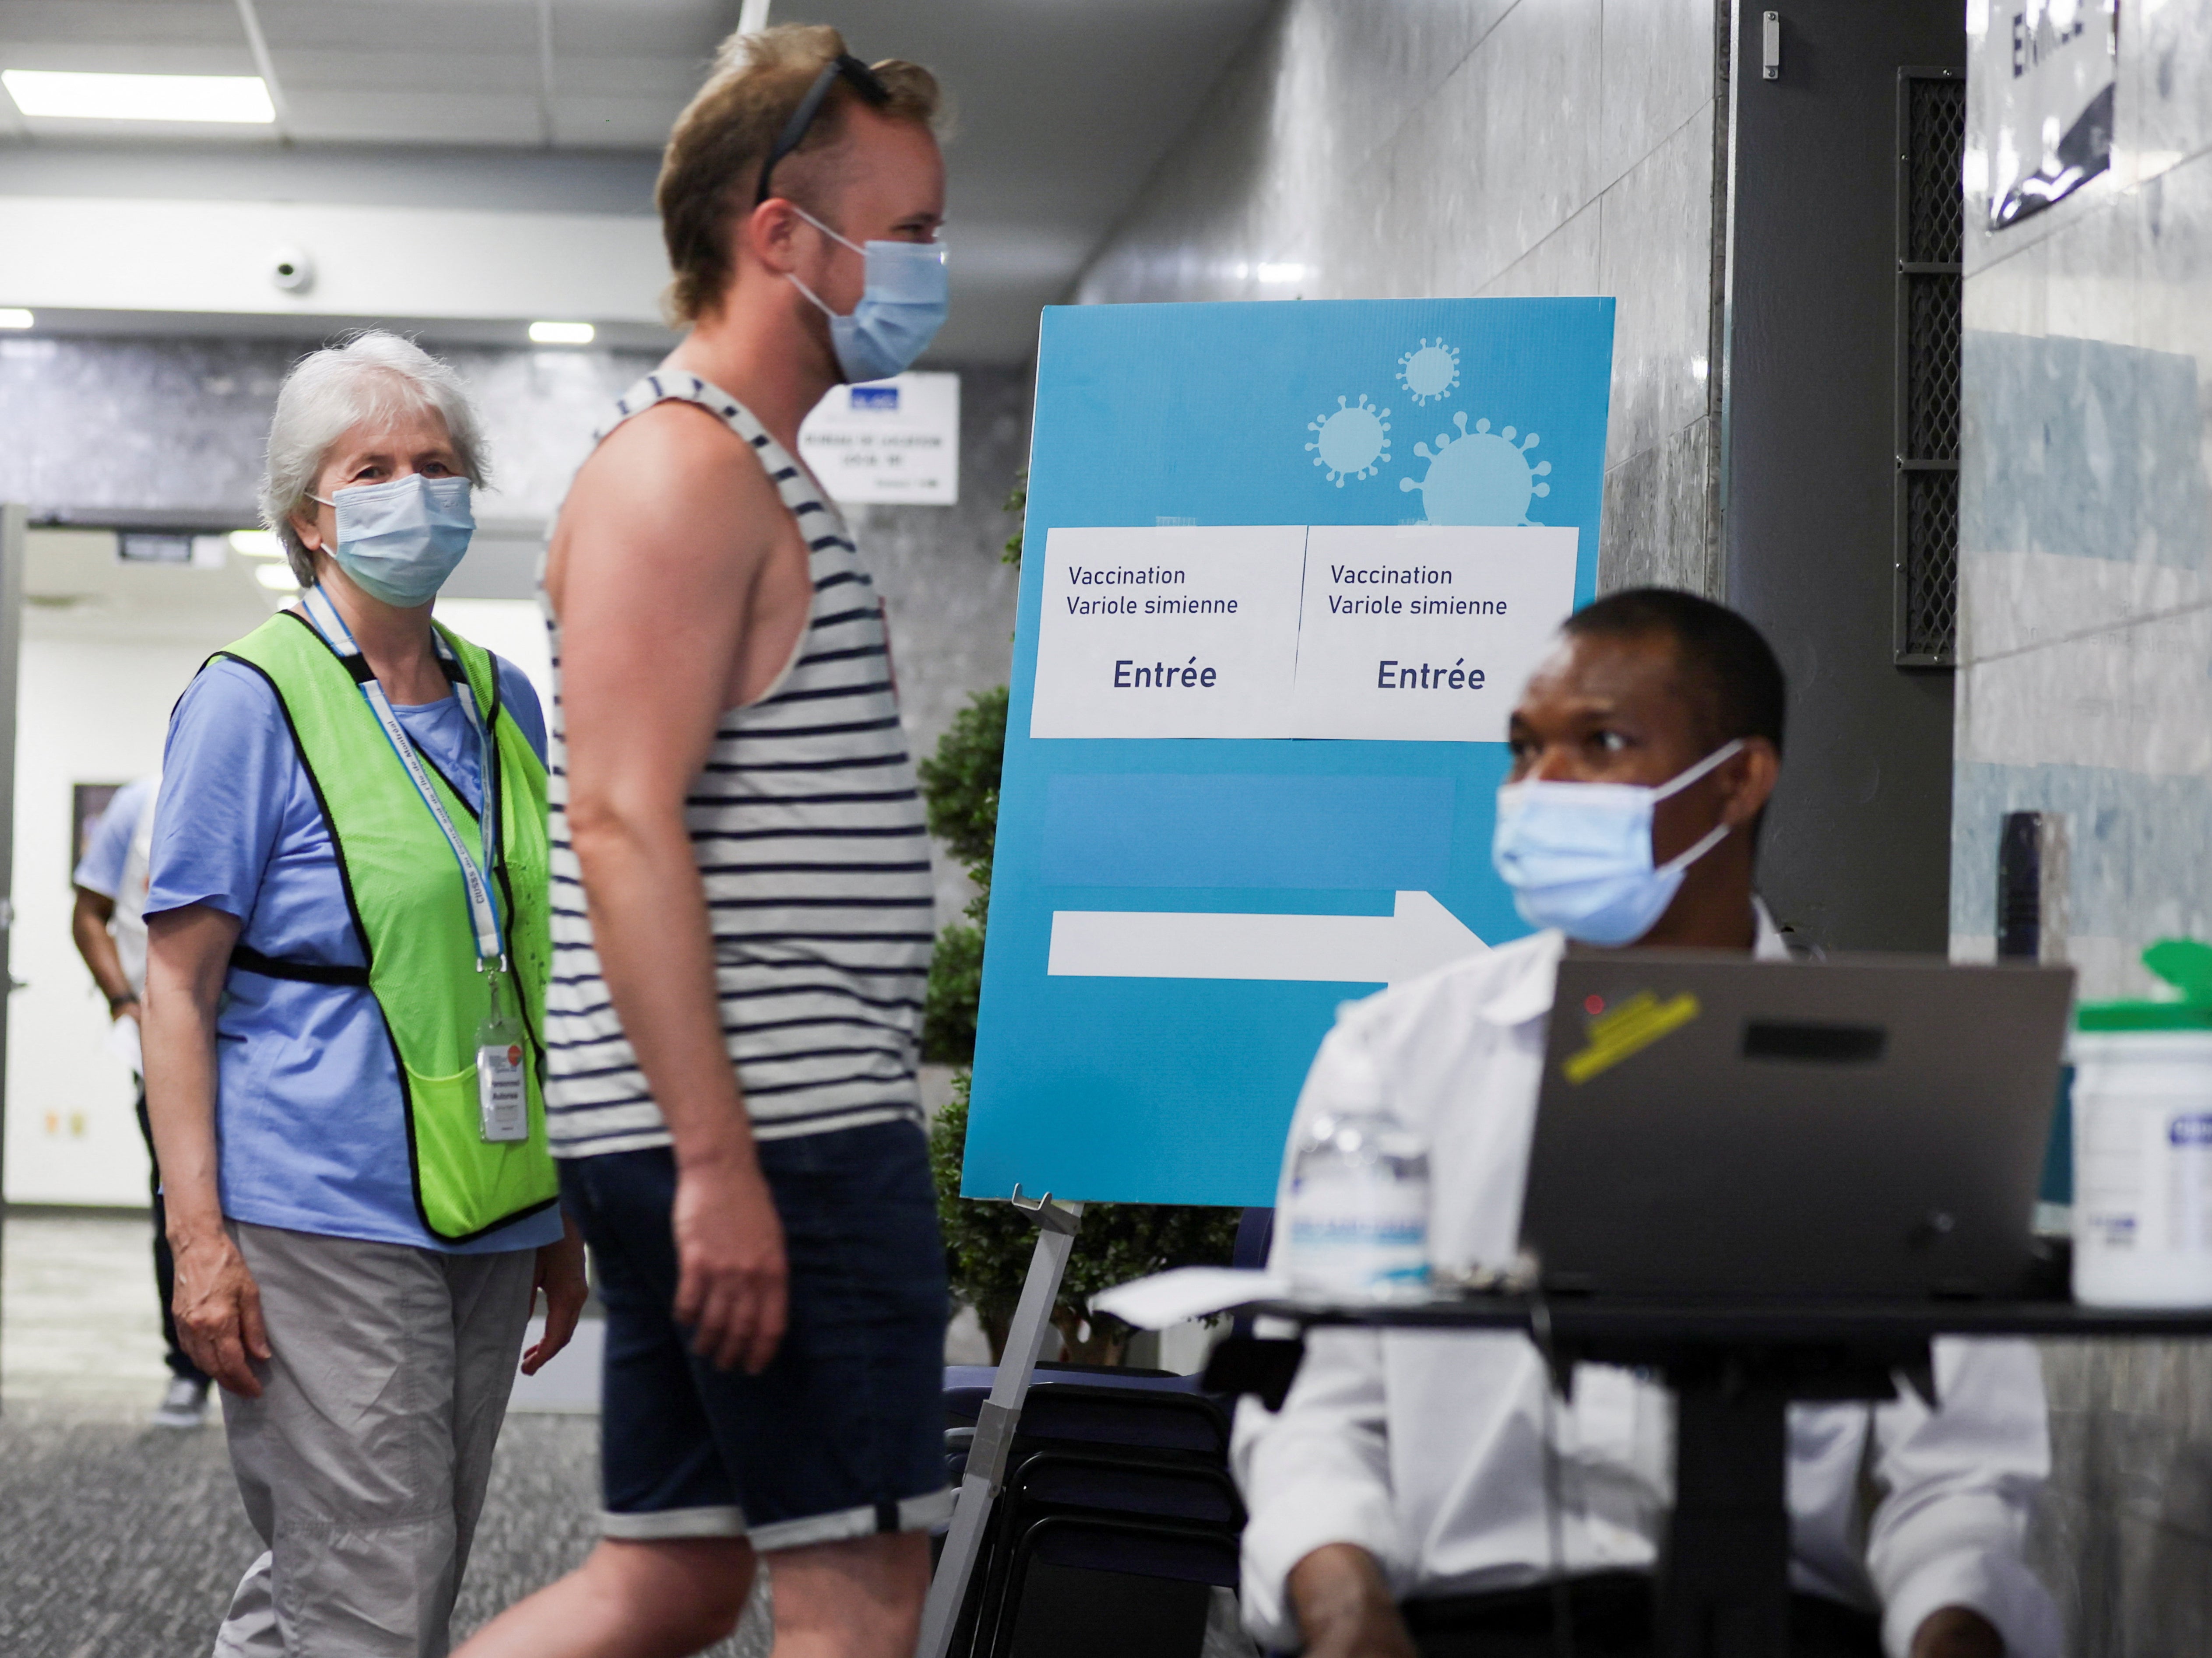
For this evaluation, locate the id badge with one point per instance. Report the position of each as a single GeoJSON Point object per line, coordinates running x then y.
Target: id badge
{"type": "Point", "coordinates": [501, 1100]}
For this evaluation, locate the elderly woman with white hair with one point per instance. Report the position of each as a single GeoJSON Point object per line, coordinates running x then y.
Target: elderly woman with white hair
{"type": "Point", "coordinates": [348, 927]}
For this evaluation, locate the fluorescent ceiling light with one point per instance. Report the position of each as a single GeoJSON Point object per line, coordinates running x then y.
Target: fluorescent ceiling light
{"type": "Point", "coordinates": [276, 577]}
{"type": "Point", "coordinates": [561, 333]}
{"type": "Point", "coordinates": [1279, 273]}
{"type": "Point", "coordinates": [256, 544]}
{"type": "Point", "coordinates": [13, 316]}
{"type": "Point", "coordinates": [242, 99]}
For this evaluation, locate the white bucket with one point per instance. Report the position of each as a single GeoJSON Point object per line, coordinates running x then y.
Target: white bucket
{"type": "Point", "coordinates": [2143, 1168]}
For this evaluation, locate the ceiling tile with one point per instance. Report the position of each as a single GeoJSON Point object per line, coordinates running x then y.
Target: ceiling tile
{"type": "Point", "coordinates": [688, 30]}
{"type": "Point", "coordinates": [671, 80]}
{"type": "Point", "coordinates": [429, 29]}
{"type": "Point", "coordinates": [337, 117]}
{"type": "Point", "coordinates": [585, 122]}
{"type": "Point", "coordinates": [371, 73]}
{"type": "Point", "coordinates": [141, 24]}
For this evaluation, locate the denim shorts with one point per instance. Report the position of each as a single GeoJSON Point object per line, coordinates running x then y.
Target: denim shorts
{"type": "Point", "coordinates": [843, 1434]}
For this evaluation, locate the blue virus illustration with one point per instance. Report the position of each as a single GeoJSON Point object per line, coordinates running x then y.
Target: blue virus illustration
{"type": "Point", "coordinates": [1430, 370]}
{"type": "Point", "coordinates": [1351, 440]}
{"type": "Point", "coordinates": [1481, 477]}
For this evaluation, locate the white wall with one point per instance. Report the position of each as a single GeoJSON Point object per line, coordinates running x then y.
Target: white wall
{"type": "Point", "coordinates": [89, 713]}
{"type": "Point", "coordinates": [395, 262]}
{"type": "Point", "coordinates": [512, 627]}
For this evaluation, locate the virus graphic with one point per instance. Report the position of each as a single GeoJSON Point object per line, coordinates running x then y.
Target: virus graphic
{"type": "Point", "coordinates": [1430, 370]}
{"type": "Point", "coordinates": [1351, 440]}
{"type": "Point", "coordinates": [1480, 477]}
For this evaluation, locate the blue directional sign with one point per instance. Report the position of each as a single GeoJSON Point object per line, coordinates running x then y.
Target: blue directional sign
{"type": "Point", "coordinates": [1285, 569]}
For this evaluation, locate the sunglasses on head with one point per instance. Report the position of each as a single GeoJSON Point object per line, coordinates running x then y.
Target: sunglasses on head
{"type": "Point", "coordinates": [856, 73]}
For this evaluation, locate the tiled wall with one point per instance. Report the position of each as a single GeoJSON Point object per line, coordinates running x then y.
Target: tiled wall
{"type": "Point", "coordinates": [177, 424]}
{"type": "Point", "coordinates": [1403, 148]}
{"type": "Point", "coordinates": [171, 424]}
{"type": "Point", "coordinates": [2085, 687]}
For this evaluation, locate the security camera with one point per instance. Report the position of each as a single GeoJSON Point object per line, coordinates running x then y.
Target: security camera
{"type": "Point", "coordinates": [291, 269]}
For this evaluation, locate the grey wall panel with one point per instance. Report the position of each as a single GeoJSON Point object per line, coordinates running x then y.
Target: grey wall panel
{"type": "Point", "coordinates": [1400, 148]}
{"type": "Point", "coordinates": [2085, 688]}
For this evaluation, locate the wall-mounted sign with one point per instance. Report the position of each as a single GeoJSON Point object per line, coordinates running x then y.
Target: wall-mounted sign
{"type": "Point", "coordinates": [893, 442]}
{"type": "Point", "coordinates": [2043, 71]}
{"type": "Point", "coordinates": [1288, 567]}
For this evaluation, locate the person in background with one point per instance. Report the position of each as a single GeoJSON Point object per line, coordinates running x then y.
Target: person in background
{"type": "Point", "coordinates": [1399, 1500]}
{"type": "Point", "coordinates": [109, 926]}
{"type": "Point", "coordinates": [347, 950]}
{"type": "Point", "coordinates": [743, 904]}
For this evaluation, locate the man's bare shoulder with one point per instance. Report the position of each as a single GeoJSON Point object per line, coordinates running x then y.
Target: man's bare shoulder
{"type": "Point", "coordinates": [674, 457]}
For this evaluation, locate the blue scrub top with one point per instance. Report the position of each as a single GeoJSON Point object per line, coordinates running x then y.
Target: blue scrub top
{"type": "Point", "coordinates": [309, 1113]}
{"type": "Point", "coordinates": [100, 868]}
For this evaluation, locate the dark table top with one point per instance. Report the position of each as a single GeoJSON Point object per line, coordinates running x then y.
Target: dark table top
{"type": "Point", "coordinates": [1720, 1322]}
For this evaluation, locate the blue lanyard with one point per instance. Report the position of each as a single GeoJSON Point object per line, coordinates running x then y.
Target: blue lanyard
{"type": "Point", "coordinates": [476, 878]}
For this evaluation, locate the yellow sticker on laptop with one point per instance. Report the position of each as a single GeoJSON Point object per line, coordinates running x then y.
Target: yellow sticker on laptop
{"type": "Point", "coordinates": [1627, 1029]}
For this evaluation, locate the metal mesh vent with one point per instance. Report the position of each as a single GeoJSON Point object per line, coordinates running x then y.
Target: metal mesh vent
{"type": "Point", "coordinates": [1931, 565]}
{"type": "Point", "coordinates": [1935, 146]}
{"type": "Point", "coordinates": [1931, 137]}
{"type": "Point", "coordinates": [1932, 328]}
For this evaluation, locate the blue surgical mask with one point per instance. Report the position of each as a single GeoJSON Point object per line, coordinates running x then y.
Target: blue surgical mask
{"type": "Point", "coordinates": [901, 305]}
{"type": "Point", "coordinates": [1578, 855]}
{"type": "Point", "coordinates": [399, 540]}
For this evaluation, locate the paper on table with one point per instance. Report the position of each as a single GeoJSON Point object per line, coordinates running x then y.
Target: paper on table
{"type": "Point", "coordinates": [1166, 1298]}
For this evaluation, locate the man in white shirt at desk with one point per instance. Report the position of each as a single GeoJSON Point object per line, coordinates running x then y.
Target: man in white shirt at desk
{"type": "Point", "coordinates": [1399, 1500]}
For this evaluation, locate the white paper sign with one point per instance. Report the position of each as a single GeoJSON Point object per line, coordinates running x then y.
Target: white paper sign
{"type": "Point", "coordinates": [1419, 632]}
{"type": "Point", "coordinates": [893, 442]}
{"type": "Point", "coordinates": [1172, 632]}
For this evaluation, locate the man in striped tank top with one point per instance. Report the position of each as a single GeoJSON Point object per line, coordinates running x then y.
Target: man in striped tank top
{"type": "Point", "coordinates": [742, 905]}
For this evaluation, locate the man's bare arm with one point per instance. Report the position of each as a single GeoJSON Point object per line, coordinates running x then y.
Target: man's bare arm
{"type": "Point", "coordinates": [661, 547]}
{"type": "Point", "coordinates": [88, 926]}
{"type": "Point", "coordinates": [1344, 1606]}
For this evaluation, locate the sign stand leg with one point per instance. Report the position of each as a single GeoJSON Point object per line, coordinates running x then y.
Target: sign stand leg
{"type": "Point", "coordinates": [995, 1423]}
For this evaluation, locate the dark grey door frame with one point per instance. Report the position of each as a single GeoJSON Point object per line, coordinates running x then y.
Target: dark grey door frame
{"type": "Point", "coordinates": [1857, 854]}
{"type": "Point", "coordinates": [14, 523]}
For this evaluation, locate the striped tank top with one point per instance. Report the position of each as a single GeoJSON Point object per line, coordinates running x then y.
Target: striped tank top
{"type": "Point", "coordinates": [809, 834]}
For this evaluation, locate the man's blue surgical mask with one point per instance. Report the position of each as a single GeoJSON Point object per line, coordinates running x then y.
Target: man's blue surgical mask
{"type": "Point", "coordinates": [901, 305]}
{"type": "Point", "coordinates": [1578, 855]}
{"type": "Point", "coordinates": [399, 540]}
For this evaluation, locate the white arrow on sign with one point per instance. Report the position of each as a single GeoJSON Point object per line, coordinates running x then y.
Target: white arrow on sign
{"type": "Point", "coordinates": [1418, 935]}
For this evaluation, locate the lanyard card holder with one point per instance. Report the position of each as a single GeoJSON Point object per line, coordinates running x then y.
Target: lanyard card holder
{"type": "Point", "coordinates": [502, 1103]}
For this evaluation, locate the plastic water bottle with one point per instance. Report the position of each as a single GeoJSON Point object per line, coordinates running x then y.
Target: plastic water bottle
{"type": "Point", "coordinates": [1359, 1204]}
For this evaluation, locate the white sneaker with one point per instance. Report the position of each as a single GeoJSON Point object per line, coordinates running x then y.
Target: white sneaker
{"type": "Point", "coordinates": [185, 1405]}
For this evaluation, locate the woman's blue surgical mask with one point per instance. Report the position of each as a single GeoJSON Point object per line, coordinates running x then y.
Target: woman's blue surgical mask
{"type": "Point", "coordinates": [400, 539]}
{"type": "Point", "coordinates": [1578, 855]}
{"type": "Point", "coordinates": [901, 305]}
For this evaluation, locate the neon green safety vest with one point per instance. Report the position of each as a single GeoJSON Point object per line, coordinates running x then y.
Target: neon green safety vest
{"type": "Point", "coordinates": [410, 916]}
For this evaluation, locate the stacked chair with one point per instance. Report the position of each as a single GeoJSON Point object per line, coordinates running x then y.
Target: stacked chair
{"type": "Point", "coordinates": [1118, 1519]}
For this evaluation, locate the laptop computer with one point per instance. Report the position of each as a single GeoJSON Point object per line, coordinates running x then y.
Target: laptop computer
{"type": "Point", "coordinates": [1864, 1128]}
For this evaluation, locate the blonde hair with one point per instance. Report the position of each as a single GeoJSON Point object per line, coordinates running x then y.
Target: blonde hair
{"type": "Point", "coordinates": [712, 165]}
{"type": "Point", "coordinates": [372, 375]}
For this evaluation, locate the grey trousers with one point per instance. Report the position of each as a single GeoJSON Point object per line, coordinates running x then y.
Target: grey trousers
{"type": "Point", "coordinates": [364, 1462]}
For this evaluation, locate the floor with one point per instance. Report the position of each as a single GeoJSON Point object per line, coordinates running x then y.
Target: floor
{"type": "Point", "coordinates": [122, 1540]}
